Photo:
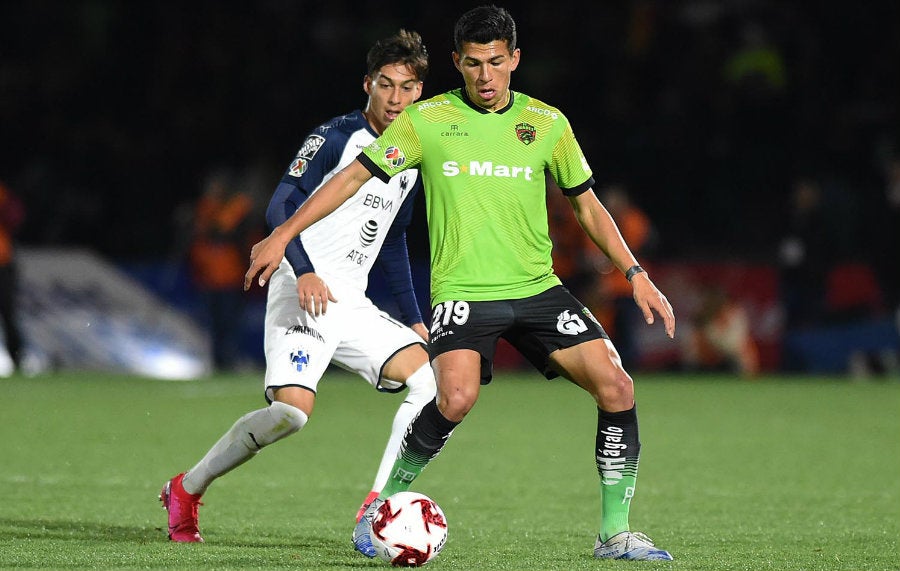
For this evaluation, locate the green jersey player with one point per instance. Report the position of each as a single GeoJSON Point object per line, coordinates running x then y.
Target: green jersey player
{"type": "Point", "coordinates": [484, 152]}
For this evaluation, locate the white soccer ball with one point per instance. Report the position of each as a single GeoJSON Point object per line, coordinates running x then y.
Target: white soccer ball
{"type": "Point", "coordinates": [408, 530]}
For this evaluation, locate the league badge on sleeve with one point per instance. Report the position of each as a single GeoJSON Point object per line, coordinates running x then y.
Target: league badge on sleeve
{"type": "Point", "coordinates": [310, 147]}
{"type": "Point", "coordinates": [298, 167]}
{"type": "Point", "coordinates": [394, 157]}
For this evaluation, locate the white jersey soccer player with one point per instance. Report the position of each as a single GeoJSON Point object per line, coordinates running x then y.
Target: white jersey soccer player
{"type": "Point", "coordinates": [317, 311]}
{"type": "Point", "coordinates": [342, 248]}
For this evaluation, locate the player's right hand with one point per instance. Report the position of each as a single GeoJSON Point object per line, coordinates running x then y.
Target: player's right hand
{"type": "Point", "coordinates": [265, 256]}
{"type": "Point", "coordinates": [313, 294]}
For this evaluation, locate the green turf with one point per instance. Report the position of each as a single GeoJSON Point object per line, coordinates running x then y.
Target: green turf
{"type": "Point", "coordinates": [781, 474]}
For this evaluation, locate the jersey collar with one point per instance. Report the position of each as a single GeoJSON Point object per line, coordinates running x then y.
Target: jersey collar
{"type": "Point", "coordinates": [366, 124]}
{"type": "Point", "coordinates": [482, 110]}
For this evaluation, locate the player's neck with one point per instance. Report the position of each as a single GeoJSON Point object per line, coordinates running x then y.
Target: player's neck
{"type": "Point", "coordinates": [503, 103]}
{"type": "Point", "coordinates": [367, 113]}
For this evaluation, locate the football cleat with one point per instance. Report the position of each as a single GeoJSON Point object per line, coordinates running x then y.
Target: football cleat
{"type": "Point", "coordinates": [362, 533]}
{"type": "Point", "coordinates": [362, 509]}
{"type": "Point", "coordinates": [630, 545]}
{"type": "Point", "coordinates": [183, 511]}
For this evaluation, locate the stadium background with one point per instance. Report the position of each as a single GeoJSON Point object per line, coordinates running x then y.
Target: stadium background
{"type": "Point", "coordinates": [113, 114]}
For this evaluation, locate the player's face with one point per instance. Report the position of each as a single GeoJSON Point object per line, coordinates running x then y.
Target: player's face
{"type": "Point", "coordinates": [487, 70]}
{"type": "Point", "coordinates": [391, 89]}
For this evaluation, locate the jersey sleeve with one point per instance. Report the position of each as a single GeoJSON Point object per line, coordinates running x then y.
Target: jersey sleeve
{"type": "Point", "coordinates": [568, 167]}
{"type": "Point", "coordinates": [396, 150]}
{"type": "Point", "coordinates": [284, 202]}
{"type": "Point", "coordinates": [317, 156]}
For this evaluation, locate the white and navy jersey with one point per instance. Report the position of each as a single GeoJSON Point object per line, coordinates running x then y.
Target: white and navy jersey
{"type": "Point", "coordinates": [343, 247]}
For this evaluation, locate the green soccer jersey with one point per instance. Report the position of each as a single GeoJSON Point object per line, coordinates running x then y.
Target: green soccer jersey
{"type": "Point", "coordinates": [485, 191]}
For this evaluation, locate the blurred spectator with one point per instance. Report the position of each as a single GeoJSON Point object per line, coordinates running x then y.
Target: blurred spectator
{"type": "Point", "coordinates": [221, 238]}
{"type": "Point", "coordinates": [719, 336]}
{"type": "Point", "coordinates": [757, 65]}
{"type": "Point", "coordinates": [617, 311]}
{"type": "Point", "coordinates": [805, 257]}
{"type": "Point", "coordinates": [12, 214]}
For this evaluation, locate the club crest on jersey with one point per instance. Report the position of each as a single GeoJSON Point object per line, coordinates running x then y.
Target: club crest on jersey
{"type": "Point", "coordinates": [394, 156]}
{"type": "Point", "coordinates": [299, 359]}
{"type": "Point", "coordinates": [525, 133]}
{"type": "Point", "coordinates": [307, 151]}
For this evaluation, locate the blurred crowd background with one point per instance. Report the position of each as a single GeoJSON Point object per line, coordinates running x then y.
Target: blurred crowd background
{"type": "Point", "coordinates": [763, 135]}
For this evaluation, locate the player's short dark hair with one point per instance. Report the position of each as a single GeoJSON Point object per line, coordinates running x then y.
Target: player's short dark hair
{"type": "Point", "coordinates": [405, 47]}
{"type": "Point", "coordinates": [483, 25]}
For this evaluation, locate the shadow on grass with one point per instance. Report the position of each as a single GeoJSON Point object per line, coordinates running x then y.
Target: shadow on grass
{"type": "Point", "coordinates": [309, 552]}
{"type": "Point", "coordinates": [96, 531]}
{"type": "Point", "coordinates": [74, 530]}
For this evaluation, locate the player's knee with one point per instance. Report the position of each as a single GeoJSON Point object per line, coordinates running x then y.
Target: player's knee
{"type": "Point", "coordinates": [614, 390]}
{"type": "Point", "coordinates": [421, 385]}
{"type": "Point", "coordinates": [282, 420]}
{"type": "Point", "coordinates": [456, 404]}
{"type": "Point", "coordinates": [288, 419]}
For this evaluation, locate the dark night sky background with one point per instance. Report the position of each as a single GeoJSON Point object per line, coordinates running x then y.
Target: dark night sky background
{"type": "Point", "coordinates": [113, 112]}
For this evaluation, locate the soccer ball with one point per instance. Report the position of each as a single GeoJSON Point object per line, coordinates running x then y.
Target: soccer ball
{"type": "Point", "coordinates": [408, 530]}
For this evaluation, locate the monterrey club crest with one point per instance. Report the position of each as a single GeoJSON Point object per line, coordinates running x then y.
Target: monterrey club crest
{"type": "Point", "coordinates": [525, 133]}
{"type": "Point", "coordinates": [394, 156]}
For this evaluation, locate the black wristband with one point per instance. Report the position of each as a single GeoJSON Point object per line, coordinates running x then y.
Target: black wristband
{"type": "Point", "coordinates": [630, 273]}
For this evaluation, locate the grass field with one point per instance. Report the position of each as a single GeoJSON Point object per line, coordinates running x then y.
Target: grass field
{"type": "Point", "coordinates": [780, 474]}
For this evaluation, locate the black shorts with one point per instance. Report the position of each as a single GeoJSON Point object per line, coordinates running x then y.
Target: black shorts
{"type": "Point", "coordinates": [536, 326]}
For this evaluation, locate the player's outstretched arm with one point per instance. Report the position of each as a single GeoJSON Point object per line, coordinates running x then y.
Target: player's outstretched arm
{"type": "Point", "coordinates": [600, 226]}
{"type": "Point", "coordinates": [267, 254]}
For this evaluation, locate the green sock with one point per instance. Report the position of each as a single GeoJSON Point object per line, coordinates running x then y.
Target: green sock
{"type": "Point", "coordinates": [406, 468]}
{"type": "Point", "coordinates": [618, 453]}
{"type": "Point", "coordinates": [424, 439]}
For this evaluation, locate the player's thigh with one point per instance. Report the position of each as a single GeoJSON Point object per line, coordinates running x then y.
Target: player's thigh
{"type": "Point", "coordinates": [406, 362]}
{"type": "Point", "coordinates": [298, 346]}
{"type": "Point", "coordinates": [459, 379]}
{"type": "Point", "coordinates": [596, 367]}
{"type": "Point", "coordinates": [370, 340]}
{"type": "Point", "coordinates": [548, 322]}
{"type": "Point", "coordinates": [472, 326]}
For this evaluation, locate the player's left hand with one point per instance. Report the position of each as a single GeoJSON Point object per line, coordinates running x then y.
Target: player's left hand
{"type": "Point", "coordinates": [421, 330]}
{"type": "Point", "coordinates": [650, 299]}
{"type": "Point", "coordinates": [313, 294]}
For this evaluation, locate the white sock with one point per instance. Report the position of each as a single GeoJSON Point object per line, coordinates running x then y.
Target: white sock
{"type": "Point", "coordinates": [243, 440]}
{"type": "Point", "coordinates": [422, 389]}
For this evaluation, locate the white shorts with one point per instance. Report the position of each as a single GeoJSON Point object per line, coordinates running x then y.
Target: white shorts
{"type": "Point", "coordinates": [353, 334]}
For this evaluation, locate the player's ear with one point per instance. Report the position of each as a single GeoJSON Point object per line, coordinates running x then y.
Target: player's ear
{"type": "Point", "coordinates": [418, 91]}
{"type": "Point", "coordinates": [367, 85]}
{"type": "Point", "coordinates": [456, 61]}
{"type": "Point", "coordinates": [514, 57]}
